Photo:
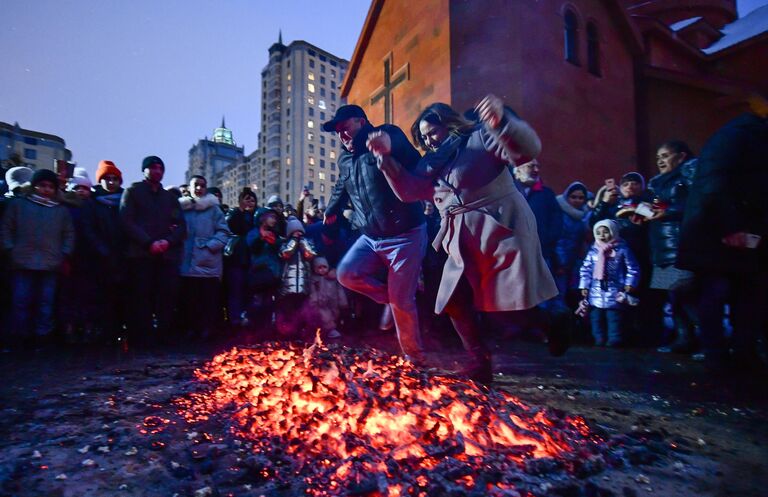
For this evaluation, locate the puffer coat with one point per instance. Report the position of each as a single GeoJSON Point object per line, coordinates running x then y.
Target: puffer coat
{"type": "Point", "coordinates": [296, 272]}
{"type": "Point", "coordinates": [207, 234]}
{"type": "Point", "coordinates": [620, 270]}
{"type": "Point", "coordinates": [671, 191]}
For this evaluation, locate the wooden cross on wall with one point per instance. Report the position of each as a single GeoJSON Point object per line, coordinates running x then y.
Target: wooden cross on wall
{"type": "Point", "coordinates": [391, 80]}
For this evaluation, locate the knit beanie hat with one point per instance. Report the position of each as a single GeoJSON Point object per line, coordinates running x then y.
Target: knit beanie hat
{"type": "Point", "coordinates": [274, 200]}
{"type": "Point", "coordinates": [612, 226]}
{"type": "Point", "coordinates": [633, 176]}
{"type": "Point", "coordinates": [76, 181]}
{"type": "Point", "coordinates": [18, 176]}
{"type": "Point", "coordinates": [107, 167]}
{"type": "Point", "coordinates": [152, 159]}
{"type": "Point", "coordinates": [44, 175]}
{"type": "Point", "coordinates": [293, 225]}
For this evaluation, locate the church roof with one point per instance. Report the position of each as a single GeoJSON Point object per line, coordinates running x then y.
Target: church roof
{"type": "Point", "coordinates": [753, 24]}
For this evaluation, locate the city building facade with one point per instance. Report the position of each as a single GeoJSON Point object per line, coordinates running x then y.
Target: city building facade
{"type": "Point", "coordinates": [221, 162]}
{"type": "Point", "coordinates": [300, 90]}
{"type": "Point", "coordinates": [33, 149]}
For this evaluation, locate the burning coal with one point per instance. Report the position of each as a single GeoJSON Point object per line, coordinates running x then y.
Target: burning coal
{"type": "Point", "coordinates": [352, 422]}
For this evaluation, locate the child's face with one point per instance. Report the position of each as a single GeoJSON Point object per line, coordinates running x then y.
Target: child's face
{"type": "Point", "coordinates": [603, 234]}
{"type": "Point", "coordinates": [45, 189]}
{"type": "Point", "coordinates": [321, 269]}
{"type": "Point", "coordinates": [83, 192]}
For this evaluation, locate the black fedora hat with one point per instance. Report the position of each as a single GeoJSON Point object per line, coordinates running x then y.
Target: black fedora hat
{"type": "Point", "coordinates": [342, 114]}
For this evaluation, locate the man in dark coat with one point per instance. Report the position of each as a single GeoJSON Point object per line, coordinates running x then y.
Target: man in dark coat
{"type": "Point", "coordinates": [723, 236]}
{"type": "Point", "coordinates": [543, 203]}
{"type": "Point", "coordinates": [153, 222]}
{"type": "Point", "coordinates": [384, 262]}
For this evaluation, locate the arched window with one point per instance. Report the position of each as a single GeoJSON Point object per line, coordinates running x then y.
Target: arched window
{"type": "Point", "coordinates": [571, 37]}
{"type": "Point", "coordinates": [593, 49]}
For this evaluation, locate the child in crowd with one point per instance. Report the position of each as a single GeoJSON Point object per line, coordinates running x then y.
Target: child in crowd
{"type": "Point", "coordinates": [296, 252]}
{"type": "Point", "coordinates": [327, 299]}
{"type": "Point", "coordinates": [609, 274]}
{"type": "Point", "coordinates": [38, 233]}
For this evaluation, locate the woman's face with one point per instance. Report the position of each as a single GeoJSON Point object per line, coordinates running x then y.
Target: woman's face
{"type": "Point", "coordinates": [248, 203]}
{"type": "Point", "coordinates": [198, 187]}
{"type": "Point", "coordinates": [577, 198]}
{"type": "Point", "coordinates": [432, 134]}
{"type": "Point", "coordinates": [667, 159]}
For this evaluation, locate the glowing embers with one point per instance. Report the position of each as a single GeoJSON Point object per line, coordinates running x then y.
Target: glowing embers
{"type": "Point", "coordinates": [351, 421]}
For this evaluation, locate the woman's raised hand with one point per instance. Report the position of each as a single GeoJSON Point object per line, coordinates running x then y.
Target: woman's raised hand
{"type": "Point", "coordinates": [491, 110]}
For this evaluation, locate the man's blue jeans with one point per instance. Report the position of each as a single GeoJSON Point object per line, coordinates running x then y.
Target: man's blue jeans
{"type": "Point", "coordinates": [34, 295]}
{"type": "Point", "coordinates": [387, 271]}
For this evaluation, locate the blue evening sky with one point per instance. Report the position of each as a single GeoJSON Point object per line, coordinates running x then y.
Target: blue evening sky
{"type": "Point", "coordinates": [120, 80]}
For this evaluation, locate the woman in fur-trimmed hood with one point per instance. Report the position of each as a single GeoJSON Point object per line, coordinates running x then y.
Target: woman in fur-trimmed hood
{"type": "Point", "coordinates": [202, 261]}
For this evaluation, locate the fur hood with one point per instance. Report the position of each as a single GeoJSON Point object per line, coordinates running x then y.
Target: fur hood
{"type": "Point", "coordinates": [199, 204]}
{"type": "Point", "coordinates": [573, 212]}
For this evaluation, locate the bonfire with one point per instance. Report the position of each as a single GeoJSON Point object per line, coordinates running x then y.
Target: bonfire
{"type": "Point", "coordinates": [363, 422]}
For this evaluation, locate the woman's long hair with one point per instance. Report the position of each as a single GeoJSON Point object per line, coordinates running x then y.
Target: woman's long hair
{"type": "Point", "coordinates": [443, 115]}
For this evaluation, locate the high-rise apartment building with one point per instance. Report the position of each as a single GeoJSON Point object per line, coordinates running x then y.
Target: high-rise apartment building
{"type": "Point", "coordinates": [299, 91]}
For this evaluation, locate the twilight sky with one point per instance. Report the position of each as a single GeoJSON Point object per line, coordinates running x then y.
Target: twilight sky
{"type": "Point", "coordinates": [120, 80]}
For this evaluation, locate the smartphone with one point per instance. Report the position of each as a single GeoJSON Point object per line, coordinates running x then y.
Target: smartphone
{"type": "Point", "coordinates": [610, 183]}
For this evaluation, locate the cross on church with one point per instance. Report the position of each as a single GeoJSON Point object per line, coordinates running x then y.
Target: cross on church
{"type": "Point", "coordinates": [391, 80]}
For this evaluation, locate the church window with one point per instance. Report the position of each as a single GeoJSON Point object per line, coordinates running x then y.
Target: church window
{"type": "Point", "coordinates": [593, 49]}
{"type": "Point", "coordinates": [571, 37]}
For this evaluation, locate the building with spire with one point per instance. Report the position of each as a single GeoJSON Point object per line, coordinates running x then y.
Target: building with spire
{"type": "Point", "coordinates": [220, 161]}
{"type": "Point", "coordinates": [299, 91]}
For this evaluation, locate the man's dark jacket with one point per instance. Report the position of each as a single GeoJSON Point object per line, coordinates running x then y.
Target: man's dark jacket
{"type": "Point", "coordinates": [729, 195]}
{"type": "Point", "coordinates": [148, 216]}
{"type": "Point", "coordinates": [549, 218]}
{"type": "Point", "coordinates": [378, 213]}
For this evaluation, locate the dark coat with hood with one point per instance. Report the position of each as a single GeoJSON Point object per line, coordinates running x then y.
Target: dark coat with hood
{"type": "Point", "coordinates": [103, 233]}
{"type": "Point", "coordinates": [549, 217]}
{"type": "Point", "coordinates": [729, 195]}
{"type": "Point", "coordinates": [377, 211]}
{"type": "Point", "coordinates": [670, 190]}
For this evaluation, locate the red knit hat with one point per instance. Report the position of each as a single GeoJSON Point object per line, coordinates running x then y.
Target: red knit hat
{"type": "Point", "coordinates": [107, 167]}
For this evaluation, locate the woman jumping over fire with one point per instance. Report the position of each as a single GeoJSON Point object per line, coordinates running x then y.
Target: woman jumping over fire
{"type": "Point", "coordinates": [489, 232]}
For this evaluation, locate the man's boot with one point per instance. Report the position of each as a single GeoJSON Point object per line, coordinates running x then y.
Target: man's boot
{"type": "Point", "coordinates": [683, 342]}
